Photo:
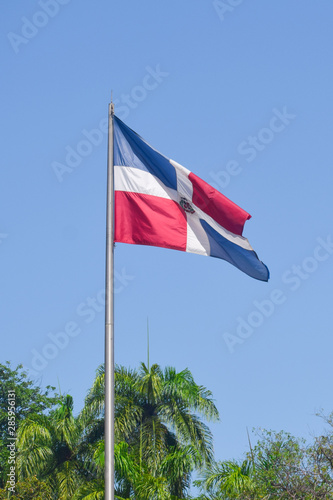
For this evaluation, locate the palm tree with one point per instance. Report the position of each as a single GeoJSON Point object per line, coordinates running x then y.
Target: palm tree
{"type": "Point", "coordinates": [160, 438]}
{"type": "Point", "coordinates": [54, 448]}
{"type": "Point", "coordinates": [135, 481]}
{"type": "Point", "coordinates": [157, 416]}
{"type": "Point", "coordinates": [230, 480]}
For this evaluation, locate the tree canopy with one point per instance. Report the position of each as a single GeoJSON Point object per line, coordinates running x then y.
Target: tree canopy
{"type": "Point", "coordinates": [30, 399]}
{"type": "Point", "coordinates": [161, 440]}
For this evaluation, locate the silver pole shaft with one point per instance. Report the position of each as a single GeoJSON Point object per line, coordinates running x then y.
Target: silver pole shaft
{"type": "Point", "coordinates": [109, 323]}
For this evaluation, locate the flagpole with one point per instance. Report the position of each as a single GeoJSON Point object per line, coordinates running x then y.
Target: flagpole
{"type": "Point", "coordinates": [109, 322]}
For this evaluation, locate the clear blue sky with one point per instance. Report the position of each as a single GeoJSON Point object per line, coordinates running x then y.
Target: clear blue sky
{"type": "Point", "coordinates": [240, 94]}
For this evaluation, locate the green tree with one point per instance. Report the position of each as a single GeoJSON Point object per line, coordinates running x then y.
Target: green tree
{"type": "Point", "coordinates": [289, 468]}
{"type": "Point", "coordinates": [29, 399]}
{"type": "Point", "coordinates": [160, 439]}
{"type": "Point", "coordinates": [134, 480]}
{"type": "Point", "coordinates": [55, 449]}
{"type": "Point", "coordinates": [158, 414]}
{"type": "Point", "coordinates": [280, 467]}
{"type": "Point", "coordinates": [229, 480]}
{"type": "Point", "coordinates": [30, 489]}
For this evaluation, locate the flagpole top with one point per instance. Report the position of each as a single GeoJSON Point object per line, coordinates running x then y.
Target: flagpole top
{"type": "Point", "coordinates": [112, 105]}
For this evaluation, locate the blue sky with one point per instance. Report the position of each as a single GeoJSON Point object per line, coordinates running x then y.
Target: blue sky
{"type": "Point", "coordinates": [240, 93]}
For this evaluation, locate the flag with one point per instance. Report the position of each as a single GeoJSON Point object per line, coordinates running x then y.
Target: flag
{"type": "Point", "coordinates": [158, 202]}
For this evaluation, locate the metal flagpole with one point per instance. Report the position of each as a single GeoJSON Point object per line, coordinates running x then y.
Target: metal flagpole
{"type": "Point", "coordinates": [109, 322]}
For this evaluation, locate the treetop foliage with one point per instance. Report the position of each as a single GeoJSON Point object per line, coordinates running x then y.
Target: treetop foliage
{"type": "Point", "coordinates": [161, 439]}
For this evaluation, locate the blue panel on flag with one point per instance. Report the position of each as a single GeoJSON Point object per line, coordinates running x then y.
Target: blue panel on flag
{"type": "Point", "coordinates": [245, 260]}
{"type": "Point", "coordinates": [131, 150]}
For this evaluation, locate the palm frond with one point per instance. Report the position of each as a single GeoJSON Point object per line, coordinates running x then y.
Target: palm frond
{"type": "Point", "coordinates": [182, 387]}
{"type": "Point", "coordinates": [34, 429]}
{"type": "Point", "coordinates": [229, 478]}
{"type": "Point", "coordinates": [93, 490]}
{"type": "Point", "coordinates": [34, 461]}
{"type": "Point", "coordinates": [68, 479]}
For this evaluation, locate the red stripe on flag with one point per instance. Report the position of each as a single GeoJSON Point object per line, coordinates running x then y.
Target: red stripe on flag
{"type": "Point", "coordinates": [143, 219]}
{"type": "Point", "coordinates": [219, 207]}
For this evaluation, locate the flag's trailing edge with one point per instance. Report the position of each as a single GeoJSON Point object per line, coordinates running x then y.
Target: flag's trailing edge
{"type": "Point", "coordinates": [160, 203]}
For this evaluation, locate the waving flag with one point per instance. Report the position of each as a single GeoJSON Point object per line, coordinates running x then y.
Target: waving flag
{"type": "Point", "coordinates": [160, 203]}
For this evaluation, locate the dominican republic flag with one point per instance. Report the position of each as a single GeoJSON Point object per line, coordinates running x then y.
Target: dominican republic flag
{"type": "Point", "coordinates": [160, 203]}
